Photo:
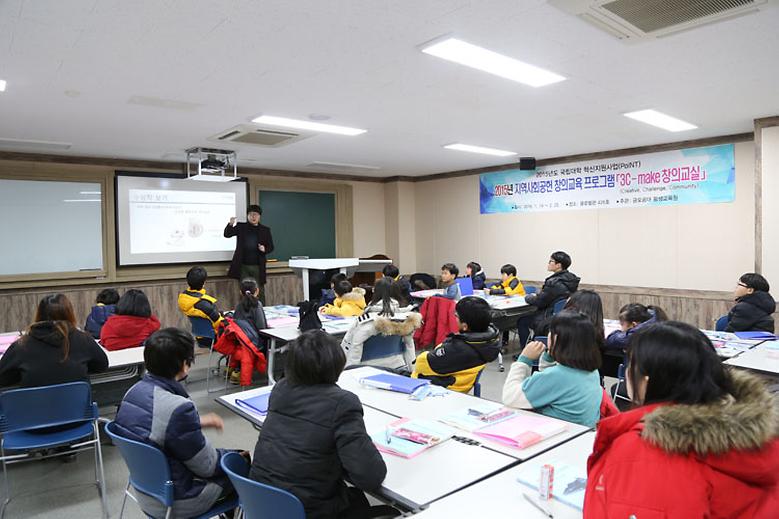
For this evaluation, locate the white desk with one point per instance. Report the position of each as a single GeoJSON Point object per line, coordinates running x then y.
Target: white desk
{"type": "Point", "coordinates": [434, 407]}
{"type": "Point", "coordinates": [414, 482]}
{"type": "Point", "coordinates": [304, 265]}
{"type": "Point", "coordinates": [500, 497]}
{"type": "Point", "coordinates": [763, 358]}
{"type": "Point", "coordinates": [290, 333]}
{"type": "Point", "coordinates": [496, 302]}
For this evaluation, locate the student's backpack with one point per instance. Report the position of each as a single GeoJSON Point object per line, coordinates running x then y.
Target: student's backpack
{"type": "Point", "coordinates": [309, 316]}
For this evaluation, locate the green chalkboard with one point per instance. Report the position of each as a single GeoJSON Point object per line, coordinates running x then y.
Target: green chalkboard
{"type": "Point", "coordinates": [303, 224]}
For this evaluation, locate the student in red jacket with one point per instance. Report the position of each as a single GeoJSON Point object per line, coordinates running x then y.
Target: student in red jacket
{"type": "Point", "coordinates": [702, 443]}
{"type": "Point", "coordinates": [131, 324]}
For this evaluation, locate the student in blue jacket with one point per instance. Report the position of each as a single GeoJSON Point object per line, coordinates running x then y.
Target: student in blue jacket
{"type": "Point", "coordinates": [105, 307]}
{"type": "Point", "coordinates": [568, 384]}
{"type": "Point", "coordinates": [157, 410]}
{"type": "Point", "coordinates": [633, 317]}
{"type": "Point", "coordinates": [478, 277]}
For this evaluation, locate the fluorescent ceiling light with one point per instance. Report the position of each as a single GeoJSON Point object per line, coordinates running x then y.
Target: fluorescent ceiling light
{"type": "Point", "coordinates": [212, 178]}
{"type": "Point", "coordinates": [89, 193]}
{"type": "Point", "coordinates": [2, 85]}
{"type": "Point", "coordinates": [479, 149]}
{"type": "Point", "coordinates": [84, 200]}
{"type": "Point", "coordinates": [661, 120]}
{"type": "Point", "coordinates": [464, 53]}
{"type": "Point", "coordinates": [306, 125]}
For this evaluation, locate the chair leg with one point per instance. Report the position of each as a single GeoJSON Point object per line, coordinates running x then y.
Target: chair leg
{"type": "Point", "coordinates": [6, 486]}
{"type": "Point", "coordinates": [500, 363]}
{"type": "Point", "coordinates": [124, 500]}
{"type": "Point", "coordinates": [100, 472]}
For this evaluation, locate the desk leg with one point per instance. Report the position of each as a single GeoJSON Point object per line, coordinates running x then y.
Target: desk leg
{"type": "Point", "coordinates": [304, 274]}
{"type": "Point", "coordinates": [271, 355]}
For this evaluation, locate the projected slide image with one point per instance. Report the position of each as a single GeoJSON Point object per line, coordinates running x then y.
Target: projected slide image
{"type": "Point", "coordinates": [179, 221]}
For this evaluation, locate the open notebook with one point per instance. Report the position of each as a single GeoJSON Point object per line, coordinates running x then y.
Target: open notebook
{"type": "Point", "coordinates": [408, 438]}
{"type": "Point", "coordinates": [522, 430]}
{"type": "Point", "coordinates": [478, 416]}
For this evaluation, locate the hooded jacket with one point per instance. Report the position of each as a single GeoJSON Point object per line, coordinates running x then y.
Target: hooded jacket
{"type": "Point", "coordinates": [97, 318]}
{"type": "Point", "coordinates": [313, 439]}
{"type": "Point", "coordinates": [370, 324]}
{"type": "Point", "coordinates": [752, 313]}
{"type": "Point", "coordinates": [158, 411]}
{"type": "Point", "coordinates": [127, 331]}
{"type": "Point", "coordinates": [479, 280]}
{"type": "Point", "coordinates": [196, 303]}
{"type": "Point", "coordinates": [559, 285]}
{"type": "Point", "coordinates": [438, 321]}
{"type": "Point", "coordinates": [233, 342]}
{"type": "Point", "coordinates": [348, 305]}
{"type": "Point", "coordinates": [457, 361]}
{"type": "Point", "coordinates": [675, 461]}
{"type": "Point", "coordinates": [36, 359]}
{"type": "Point", "coordinates": [511, 287]}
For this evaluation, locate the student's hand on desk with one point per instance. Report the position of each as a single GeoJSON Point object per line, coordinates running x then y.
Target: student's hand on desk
{"type": "Point", "coordinates": [213, 421]}
{"type": "Point", "coordinates": [533, 350]}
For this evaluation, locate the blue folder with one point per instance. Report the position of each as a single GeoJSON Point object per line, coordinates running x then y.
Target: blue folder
{"type": "Point", "coordinates": [393, 382]}
{"type": "Point", "coordinates": [256, 404]}
{"type": "Point", "coordinates": [466, 286]}
{"type": "Point", "coordinates": [756, 335]}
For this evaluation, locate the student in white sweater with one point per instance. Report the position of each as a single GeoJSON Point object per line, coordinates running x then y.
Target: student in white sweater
{"type": "Point", "coordinates": [567, 385]}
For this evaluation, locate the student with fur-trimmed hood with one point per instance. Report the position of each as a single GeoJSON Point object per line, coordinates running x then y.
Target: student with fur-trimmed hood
{"type": "Point", "coordinates": [703, 443]}
{"type": "Point", "coordinates": [348, 301]}
{"type": "Point", "coordinates": [384, 316]}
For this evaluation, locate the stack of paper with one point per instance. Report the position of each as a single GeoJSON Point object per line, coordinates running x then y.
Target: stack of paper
{"type": "Point", "coordinates": [522, 430]}
{"type": "Point", "coordinates": [478, 416]}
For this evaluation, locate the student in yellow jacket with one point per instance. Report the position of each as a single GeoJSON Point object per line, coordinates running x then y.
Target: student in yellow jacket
{"type": "Point", "coordinates": [348, 302]}
{"type": "Point", "coordinates": [457, 361]}
{"type": "Point", "coordinates": [194, 302]}
{"type": "Point", "coordinates": [510, 285]}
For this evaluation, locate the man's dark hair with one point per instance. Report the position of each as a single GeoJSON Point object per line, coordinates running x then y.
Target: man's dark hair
{"type": "Point", "coordinates": [573, 341]}
{"type": "Point", "coordinates": [681, 364]}
{"type": "Point", "coordinates": [391, 271]}
{"type": "Point", "coordinates": [342, 287]}
{"type": "Point", "coordinates": [167, 350]}
{"type": "Point", "coordinates": [755, 281]}
{"type": "Point", "coordinates": [134, 302]}
{"type": "Point", "coordinates": [335, 278]}
{"type": "Point", "coordinates": [314, 358]}
{"type": "Point", "coordinates": [108, 296]}
{"type": "Point", "coordinates": [253, 208]}
{"type": "Point", "coordinates": [562, 258]}
{"type": "Point", "coordinates": [475, 312]}
{"type": "Point", "coordinates": [508, 269]}
{"type": "Point", "coordinates": [451, 268]}
{"type": "Point", "coordinates": [196, 277]}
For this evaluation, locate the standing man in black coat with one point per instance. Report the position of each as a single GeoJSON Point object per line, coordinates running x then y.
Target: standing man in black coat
{"type": "Point", "coordinates": [252, 248]}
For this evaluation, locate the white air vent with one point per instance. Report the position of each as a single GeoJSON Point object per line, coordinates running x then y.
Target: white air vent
{"type": "Point", "coordinates": [340, 166]}
{"type": "Point", "coordinates": [634, 20]}
{"type": "Point", "coordinates": [255, 136]}
{"type": "Point", "coordinates": [32, 145]}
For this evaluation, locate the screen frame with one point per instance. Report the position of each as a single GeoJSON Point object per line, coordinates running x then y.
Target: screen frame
{"type": "Point", "coordinates": [174, 176]}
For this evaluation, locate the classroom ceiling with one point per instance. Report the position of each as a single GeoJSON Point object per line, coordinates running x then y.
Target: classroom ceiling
{"type": "Point", "coordinates": [148, 79]}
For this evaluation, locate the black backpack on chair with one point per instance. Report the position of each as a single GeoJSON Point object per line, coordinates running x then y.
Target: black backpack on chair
{"type": "Point", "coordinates": [309, 316]}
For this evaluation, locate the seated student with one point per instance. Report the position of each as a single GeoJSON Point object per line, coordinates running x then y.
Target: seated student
{"type": "Point", "coordinates": [194, 302]}
{"type": "Point", "coordinates": [104, 308]}
{"type": "Point", "coordinates": [457, 361]}
{"type": "Point", "coordinates": [567, 385]}
{"type": "Point", "coordinates": [702, 443]}
{"type": "Point", "coordinates": [249, 314]}
{"type": "Point", "coordinates": [329, 296]}
{"type": "Point", "coordinates": [449, 273]}
{"type": "Point", "coordinates": [388, 316]}
{"type": "Point", "coordinates": [349, 301]}
{"type": "Point", "coordinates": [314, 437]}
{"type": "Point", "coordinates": [560, 285]}
{"type": "Point", "coordinates": [158, 411]}
{"type": "Point", "coordinates": [392, 272]}
{"type": "Point", "coordinates": [132, 323]}
{"type": "Point", "coordinates": [510, 285]}
{"type": "Point", "coordinates": [754, 306]}
{"type": "Point", "coordinates": [633, 317]}
{"type": "Point", "coordinates": [478, 277]}
{"type": "Point", "coordinates": [589, 303]}
{"type": "Point", "coordinates": [53, 351]}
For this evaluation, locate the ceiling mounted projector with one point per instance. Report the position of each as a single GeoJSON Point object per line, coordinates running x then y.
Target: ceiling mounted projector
{"type": "Point", "coordinates": [211, 165]}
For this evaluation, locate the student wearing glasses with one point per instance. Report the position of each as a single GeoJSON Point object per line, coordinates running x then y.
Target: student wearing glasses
{"type": "Point", "coordinates": [754, 305]}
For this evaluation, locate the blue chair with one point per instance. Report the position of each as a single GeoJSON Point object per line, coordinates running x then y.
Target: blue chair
{"type": "Point", "coordinates": [382, 346]}
{"type": "Point", "coordinates": [477, 384]}
{"type": "Point", "coordinates": [620, 382]}
{"type": "Point", "coordinates": [259, 501]}
{"type": "Point", "coordinates": [531, 290]}
{"type": "Point", "coordinates": [150, 474]}
{"type": "Point", "coordinates": [721, 323]}
{"type": "Point", "coordinates": [202, 327]}
{"type": "Point", "coordinates": [28, 412]}
{"type": "Point", "coordinates": [558, 306]}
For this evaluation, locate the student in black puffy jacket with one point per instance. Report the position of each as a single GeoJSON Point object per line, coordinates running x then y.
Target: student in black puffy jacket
{"type": "Point", "coordinates": [314, 436]}
{"type": "Point", "coordinates": [754, 305]}
{"type": "Point", "coordinates": [560, 285]}
{"type": "Point", "coordinates": [105, 307]}
{"type": "Point", "coordinates": [478, 277]}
